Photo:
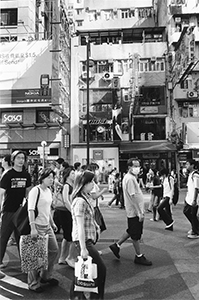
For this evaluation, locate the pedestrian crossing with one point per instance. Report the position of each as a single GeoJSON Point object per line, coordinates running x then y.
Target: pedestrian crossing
{"type": "Point", "coordinates": [7, 286]}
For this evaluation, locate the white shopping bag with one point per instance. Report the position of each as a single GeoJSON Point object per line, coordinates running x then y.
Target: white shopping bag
{"type": "Point", "coordinates": [85, 275]}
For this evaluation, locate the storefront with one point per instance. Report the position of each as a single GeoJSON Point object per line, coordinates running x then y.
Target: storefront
{"type": "Point", "coordinates": [107, 158]}
{"type": "Point", "coordinates": [152, 154]}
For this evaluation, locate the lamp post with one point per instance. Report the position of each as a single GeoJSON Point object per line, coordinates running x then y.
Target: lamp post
{"type": "Point", "coordinates": [43, 144]}
{"type": "Point", "coordinates": [87, 112]}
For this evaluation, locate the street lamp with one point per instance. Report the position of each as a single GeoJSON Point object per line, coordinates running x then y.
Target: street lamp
{"type": "Point", "coordinates": [87, 90]}
{"type": "Point", "coordinates": [43, 144]}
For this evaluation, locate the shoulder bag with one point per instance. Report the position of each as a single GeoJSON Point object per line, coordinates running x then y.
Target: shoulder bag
{"type": "Point", "coordinates": [20, 218]}
{"type": "Point", "coordinates": [99, 217]}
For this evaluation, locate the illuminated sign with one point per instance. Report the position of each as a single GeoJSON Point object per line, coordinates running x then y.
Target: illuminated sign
{"type": "Point", "coordinates": [12, 117]}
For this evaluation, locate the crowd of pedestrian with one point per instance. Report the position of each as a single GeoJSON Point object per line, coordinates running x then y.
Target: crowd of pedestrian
{"type": "Point", "coordinates": [67, 196]}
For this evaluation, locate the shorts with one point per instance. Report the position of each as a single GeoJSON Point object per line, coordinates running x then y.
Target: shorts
{"type": "Point", "coordinates": [135, 228]}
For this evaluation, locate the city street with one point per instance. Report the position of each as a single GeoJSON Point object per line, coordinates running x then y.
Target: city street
{"type": "Point", "coordinates": [173, 275]}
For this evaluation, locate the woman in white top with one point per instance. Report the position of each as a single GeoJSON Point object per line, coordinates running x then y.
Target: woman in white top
{"type": "Point", "coordinates": [41, 225]}
{"type": "Point", "coordinates": [164, 208]}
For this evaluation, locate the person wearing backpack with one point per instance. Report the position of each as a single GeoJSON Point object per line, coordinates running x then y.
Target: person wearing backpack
{"type": "Point", "coordinates": [164, 208]}
{"type": "Point", "coordinates": [191, 206]}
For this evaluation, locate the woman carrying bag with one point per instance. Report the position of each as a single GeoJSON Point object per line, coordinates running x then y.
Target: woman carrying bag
{"type": "Point", "coordinates": [67, 253]}
{"type": "Point", "coordinates": [40, 226]}
{"type": "Point", "coordinates": [85, 230]}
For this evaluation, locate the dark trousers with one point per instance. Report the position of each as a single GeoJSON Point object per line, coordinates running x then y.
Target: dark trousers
{"type": "Point", "coordinates": [164, 211]}
{"type": "Point", "coordinates": [7, 227]}
{"type": "Point", "coordinates": [191, 213]}
{"type": "Point", "coordinates": [101, 272]}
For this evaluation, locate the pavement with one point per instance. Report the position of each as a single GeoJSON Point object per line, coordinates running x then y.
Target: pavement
{"type": "Point", "coordinates": [173, 275]}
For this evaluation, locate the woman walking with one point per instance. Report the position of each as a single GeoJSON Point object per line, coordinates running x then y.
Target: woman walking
{"type": "Point", "coordinates": [67, 255]}
{"type": "Point", "coordinates": [86, 231]}
{"type": "Point", "coordinates": [43, 225]}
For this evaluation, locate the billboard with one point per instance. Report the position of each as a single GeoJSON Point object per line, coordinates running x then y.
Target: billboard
{"type": "Point", "coordinates": [21, 66]}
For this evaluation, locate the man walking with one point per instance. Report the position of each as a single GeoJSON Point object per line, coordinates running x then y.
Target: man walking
{"type": "Point", "coordinates": [134, 205]}
{"type": "Point", "coordinates": [14, 186]}
{"type": "Point", "coordinates": [191, 207]}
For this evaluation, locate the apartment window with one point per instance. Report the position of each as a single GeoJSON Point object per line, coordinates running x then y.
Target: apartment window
{"type": "Point", "coordinates": [126, 13]}
{"type": "Point", "coordinates": [107, 15]}
{"type": "Point", "coordinates": [9, 16]}
{"type": "Point", "coordinates": [151, 65]}
{"type": "Point", "coordinates": [79, 23]}
{"type": "Point", "coordinates": [79, 11]}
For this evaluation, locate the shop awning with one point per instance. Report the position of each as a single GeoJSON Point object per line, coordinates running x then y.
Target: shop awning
{"type": "Point", "coordinates": [152, 146]}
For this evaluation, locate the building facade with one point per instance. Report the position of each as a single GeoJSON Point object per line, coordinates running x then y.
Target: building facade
{"type": "Point", "coordinates": [129, 115]}
{"type": "Point", "coordinates": [183, 58]}
{"type": "Point", "coordinates": [35, 79]}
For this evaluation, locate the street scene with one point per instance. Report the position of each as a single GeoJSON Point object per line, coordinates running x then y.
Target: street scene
{"type": "Point", "coordinates": [173, 274]}
{"type": "Point", "coordinates": [99, 149]}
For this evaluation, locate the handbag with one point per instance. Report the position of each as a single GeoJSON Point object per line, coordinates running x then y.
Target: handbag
{"type": "Point", "coordinates": [99, 217]}
{"type": "Point", "coordinates": [58, 201]}
{"type": "Point", "coordinates": [20, 218]}
{"type": "Point", "coordinates": [85, 275]}
{"type": "Point", "coordinates": [34, 254]}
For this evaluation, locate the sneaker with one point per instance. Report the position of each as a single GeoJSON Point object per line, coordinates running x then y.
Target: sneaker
{"type": "Point", "coordinates": [193, 236]}
{"type": "Point", "coordinates": [142, 260]}
{"type": "Point", "coordinates": [171, 224]}
{"type": "Point", "coordinates": [170, 228]}
{"type": "Point", "coordinates": [71, 262]}
{"type": "Point", "coordinates": [190, 232]}
{"type": "Point", "coordinates": [115, 249]}
{"type": "Point", "coordinates": [154, 220]}
{"type": "Point", "coordinates": [50, 281]}
{"type": "Point", "coordinates": [37, 290]}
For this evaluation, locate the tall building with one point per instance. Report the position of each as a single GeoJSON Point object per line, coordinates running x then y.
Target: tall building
{"type": "Point", "coordinates": [183, 58]}
{"type": "Point", "coordinates": [35, 79]}
{"type": "Point", "coordinates": [129, 115]}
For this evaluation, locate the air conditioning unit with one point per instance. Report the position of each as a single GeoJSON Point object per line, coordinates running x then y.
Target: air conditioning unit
{"type": "Point", "coordinates": [84, 75]}
{"type": "Point", "coordinates": [107, 76]}
{"type": "Point", "coordinates": [192, 94]}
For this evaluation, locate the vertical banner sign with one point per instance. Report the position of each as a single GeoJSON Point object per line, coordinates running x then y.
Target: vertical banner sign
{"type": "Point", "coordinates": [116, 110]}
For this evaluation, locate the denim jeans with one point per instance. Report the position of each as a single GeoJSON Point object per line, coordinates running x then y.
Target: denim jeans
{"type": "Point", "coordinates": [191, 213]}
{"type": "Point", "coordinates": [35, 276]}
{"type": "Point", "coordinates": [7, 227]}
{"type": "Point", "coordinates": [164, 211]}
{"type": "Point", "coordinates": [101, 271]}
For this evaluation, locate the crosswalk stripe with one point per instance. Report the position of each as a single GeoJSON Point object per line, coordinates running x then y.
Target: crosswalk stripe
{"type": "Point", "coordinates": [14, 281]}
{"type": "Point", "coordinates": [3, 288]}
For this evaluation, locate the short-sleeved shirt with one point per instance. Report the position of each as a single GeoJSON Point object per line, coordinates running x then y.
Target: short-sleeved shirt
{"type": "Point", "coordinates": [83, 208]}
{"type": "Point", "coordinates": [43, 206]}
{"type": "Point", "coordinates": [168, 187]}
{"type": "Point", "coordinates": [14, 183]}
{"type": "Point", "coordinates": [192, 184]}
{"type": "Point", "coordinates": [133, 197]}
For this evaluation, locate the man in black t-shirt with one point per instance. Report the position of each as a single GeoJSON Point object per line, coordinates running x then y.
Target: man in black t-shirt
{"type": "Point", "coordinates": [14, 186]}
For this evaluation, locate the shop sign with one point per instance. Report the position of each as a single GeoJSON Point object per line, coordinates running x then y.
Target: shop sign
{"type": "Point", "coordinates": [98, 121]}
{"type": "Point", "coordinates": [148, 109]}
{"type": "Point", "coordinates": [33, 152]}
{"type": "Point", "coordinates": [97, 154]}
{"type": "Point", "coordinates": [12, 117]}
